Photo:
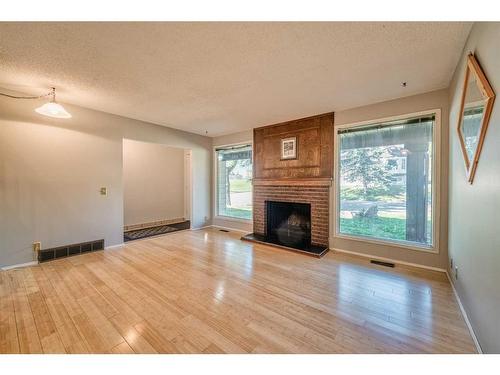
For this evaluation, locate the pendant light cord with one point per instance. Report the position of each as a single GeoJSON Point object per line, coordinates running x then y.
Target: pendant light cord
{"type": "Point", "coordinates": [51, 93]}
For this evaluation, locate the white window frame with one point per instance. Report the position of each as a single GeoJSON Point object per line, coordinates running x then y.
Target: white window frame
{"type": "Point", "coordinates": [215, 212]}
{"type": "Point", "coordinates": [436, 177]}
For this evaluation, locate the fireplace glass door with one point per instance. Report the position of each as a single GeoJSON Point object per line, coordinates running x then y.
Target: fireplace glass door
{"type": "Point", "coordinates": [288, 223]}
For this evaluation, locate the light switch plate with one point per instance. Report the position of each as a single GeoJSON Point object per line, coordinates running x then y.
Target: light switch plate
{"type": "Point", "coordinates": [104, 191]}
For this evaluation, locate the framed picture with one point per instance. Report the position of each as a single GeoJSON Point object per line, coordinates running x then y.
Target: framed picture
{"type": "Point", "coordinates": [289, 148]}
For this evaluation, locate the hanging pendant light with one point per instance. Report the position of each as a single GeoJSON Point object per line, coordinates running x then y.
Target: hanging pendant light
{"type": "Point", "coordinates": [52, 108]}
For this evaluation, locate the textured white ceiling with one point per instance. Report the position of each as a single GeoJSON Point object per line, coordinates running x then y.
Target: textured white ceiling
{"type": "Point", "coordinates": [227, 77]}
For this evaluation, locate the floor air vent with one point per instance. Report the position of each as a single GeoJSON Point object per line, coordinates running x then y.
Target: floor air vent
{"type": "Point", "coordinates": [380, 263]}
{"type": "Point", "coordinates": [65, 251]}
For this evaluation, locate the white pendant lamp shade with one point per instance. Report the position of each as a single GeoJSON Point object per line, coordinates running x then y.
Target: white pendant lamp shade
{"type": "Point", "coordinates": [53, 109]}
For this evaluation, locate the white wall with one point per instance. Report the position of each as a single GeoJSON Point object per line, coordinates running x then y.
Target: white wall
{"type": "Point", "coordinates": [51, 171]}
{"type": "Point", "coordinates": [474, 240]}
{"type": "Point", "coordinates": [153, 182]}
{"type": "Point", "coordinates": [225, 140]}
{"type": "Point", "coordinates": [411, 104]}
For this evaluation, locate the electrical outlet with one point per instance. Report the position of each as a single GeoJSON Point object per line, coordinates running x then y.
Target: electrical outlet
{"type": "Point", "coordinates": [451, 263]}
{"type": "Point", "coordinates": [456, 273]}
{"type": "Point", "coordinates": [37, 246]}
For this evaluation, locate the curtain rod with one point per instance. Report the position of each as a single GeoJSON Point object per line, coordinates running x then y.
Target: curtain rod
{"type": "Point", "coordinates": [389, 124]}
{"type": "Point", "coordinates": [233, 147]}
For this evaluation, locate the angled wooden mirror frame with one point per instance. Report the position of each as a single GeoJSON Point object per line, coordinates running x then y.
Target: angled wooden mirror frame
{"type": "Point", "coordinates": [471, 146]}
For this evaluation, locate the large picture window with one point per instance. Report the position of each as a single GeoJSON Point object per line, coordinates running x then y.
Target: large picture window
{"type": "Point", "coordinates": [234, 181]}
{"type": "Point", "coordinates": [386, 181]}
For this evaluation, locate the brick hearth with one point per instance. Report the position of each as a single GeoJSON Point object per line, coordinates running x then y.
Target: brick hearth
{"type": "Point", "coordinates": [317, 196]}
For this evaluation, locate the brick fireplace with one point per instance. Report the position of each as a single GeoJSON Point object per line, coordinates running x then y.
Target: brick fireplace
{"type": "Point", "coordinates": [316, 196]}
{"type": "Point", "coordinates": [304, 179]}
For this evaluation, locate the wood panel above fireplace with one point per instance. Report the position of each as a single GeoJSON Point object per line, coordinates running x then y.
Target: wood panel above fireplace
{"type": "Point", "coordinates": [314, 150]}
{"type": "Point", "coordinates": [304, 180]}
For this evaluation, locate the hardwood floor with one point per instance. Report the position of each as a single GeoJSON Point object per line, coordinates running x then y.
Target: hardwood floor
{"type": "Point", "coordinates": [208, 292]}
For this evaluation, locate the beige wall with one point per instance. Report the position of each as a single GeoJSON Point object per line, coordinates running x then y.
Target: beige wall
{"type": "Point", "coordinates": [153, 182]}
{"type": "Point", "coordinates": [230, 139]}
{"type": "Point", "coordinates": [51, 171]}
{"type": "Point", "coordinates": [411, 104]}
{"type": "Point", "coordinates": [474, 241]}
{"type": "Point", "coordinates": [240, 137]}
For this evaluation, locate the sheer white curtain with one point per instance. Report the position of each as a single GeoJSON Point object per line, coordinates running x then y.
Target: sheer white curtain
{"type": "Point", "coordinates": [386, 180]}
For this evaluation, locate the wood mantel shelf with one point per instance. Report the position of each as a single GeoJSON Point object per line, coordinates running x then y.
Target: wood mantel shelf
{"type": "Point", "coordinates": [292, 181]}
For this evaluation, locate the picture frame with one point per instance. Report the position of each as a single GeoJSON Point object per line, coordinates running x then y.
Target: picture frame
{"type": "Point", "coordinates": [289, 148]}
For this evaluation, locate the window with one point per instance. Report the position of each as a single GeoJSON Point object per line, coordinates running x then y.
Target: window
{"type": "Point", "coordinates": [385, 185]}
{"type": "Point", "coordinates": [234, 181]}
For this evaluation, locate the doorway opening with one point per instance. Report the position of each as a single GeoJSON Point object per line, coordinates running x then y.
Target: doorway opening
{"type": "Point", "coordinates": [157, 191]}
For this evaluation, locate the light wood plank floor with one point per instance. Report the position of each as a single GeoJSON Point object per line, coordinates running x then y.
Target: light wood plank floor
{"type": "Point", "coordinates": [208, 292]}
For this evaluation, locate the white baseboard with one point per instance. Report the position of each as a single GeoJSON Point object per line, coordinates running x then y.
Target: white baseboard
{"type": "Point", "coordinates": [22, 265]}
{"type": "Point", "coordinates": [200, 228]}
{"type": "Point", "coordinates": [389, 260]}
{"type": "Point", "coordinates": [464, 314]}
{"type": "Point", "coordinates": [114, 246]}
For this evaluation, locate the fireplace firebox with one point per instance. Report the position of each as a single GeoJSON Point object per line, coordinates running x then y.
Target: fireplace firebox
{"type": "Point", "coordinates": [289, 224]}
